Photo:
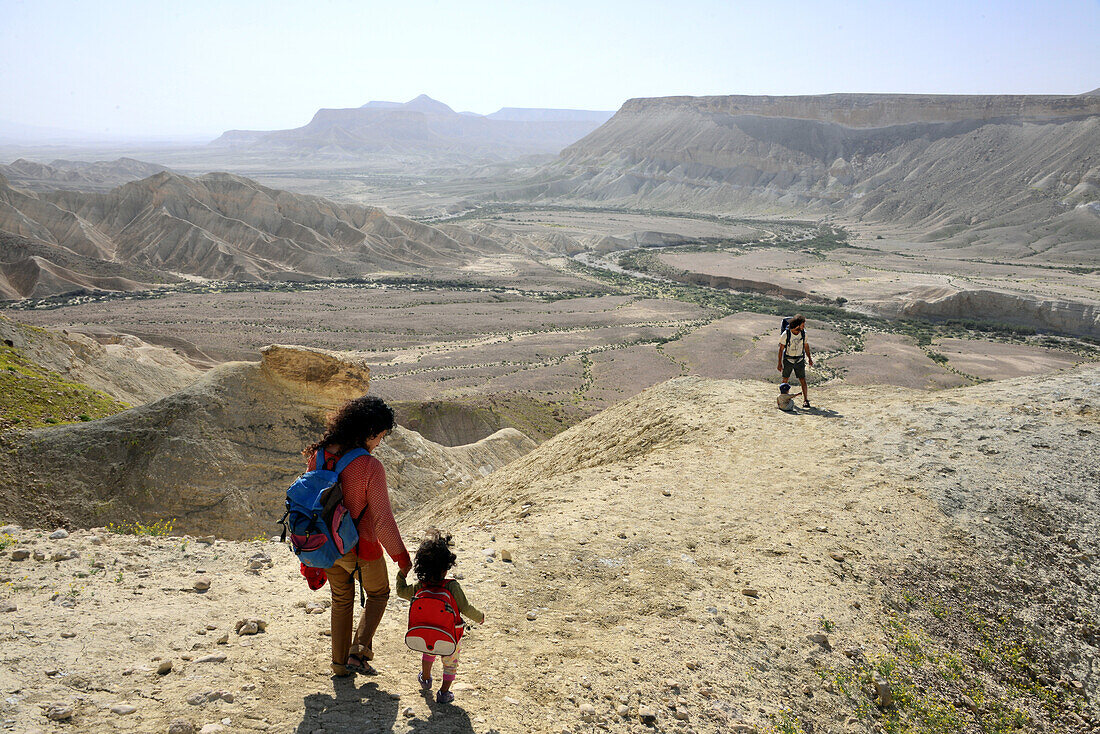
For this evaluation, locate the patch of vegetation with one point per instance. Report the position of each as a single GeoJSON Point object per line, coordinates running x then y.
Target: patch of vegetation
{"type": "Point", "coordinates": [33, 397]}
{"type": "Point", "coordinates": [850, 323]}
{"type": "Point", "coordinates": [6, 540]}
{"type": "Point", "coordinates": [157, 528]}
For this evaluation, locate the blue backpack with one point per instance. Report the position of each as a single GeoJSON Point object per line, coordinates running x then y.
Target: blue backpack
{"type": "Point", "coordinates": [321, 529]}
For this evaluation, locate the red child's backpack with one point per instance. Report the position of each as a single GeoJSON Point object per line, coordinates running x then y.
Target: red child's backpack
{"type": "Point", "coordinates": [435, 626]}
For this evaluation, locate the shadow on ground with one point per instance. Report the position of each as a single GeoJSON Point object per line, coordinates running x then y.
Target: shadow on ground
{"type": "Point", "coordinates": [362, 708]}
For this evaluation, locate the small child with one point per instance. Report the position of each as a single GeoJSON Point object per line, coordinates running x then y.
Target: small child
{"type": "Point", "coordinates": [433, 559]}
{"type": "Point", "coordinates": [785, 401]}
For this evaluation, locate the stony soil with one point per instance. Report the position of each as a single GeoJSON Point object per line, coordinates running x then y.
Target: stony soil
{"type": "Point", "coordinates": [692, 560]}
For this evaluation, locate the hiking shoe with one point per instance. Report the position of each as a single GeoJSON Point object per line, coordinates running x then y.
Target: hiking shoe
{"type": "Point", "coordinates": [425, 683]}
{"type": "Point", "coordinates": [444, 697]}
{"type": "Point", "coordinates": [805, 403]}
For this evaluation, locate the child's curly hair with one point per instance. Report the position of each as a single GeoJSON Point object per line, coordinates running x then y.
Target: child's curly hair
{"type": "Point", "coordinates": [434, 558]}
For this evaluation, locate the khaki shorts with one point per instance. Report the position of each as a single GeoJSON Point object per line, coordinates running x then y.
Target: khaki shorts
{"type": "Point", "coordinates": [797, 366]}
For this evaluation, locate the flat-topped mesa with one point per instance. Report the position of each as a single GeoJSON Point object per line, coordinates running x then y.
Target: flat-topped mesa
{"type": "Point", "coordinates": [878, 110]}
{"type": "Point", "coordinates": [331, 377]}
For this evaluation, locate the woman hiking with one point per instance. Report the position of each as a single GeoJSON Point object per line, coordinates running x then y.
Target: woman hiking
{"type": "Point", "coordinates": [361, 423]}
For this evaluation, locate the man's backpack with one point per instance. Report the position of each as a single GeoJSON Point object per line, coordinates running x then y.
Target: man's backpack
{"type": "Point", "coordinates": [435, 625]}
{"type": "Point", "coordinates": [321, 529]}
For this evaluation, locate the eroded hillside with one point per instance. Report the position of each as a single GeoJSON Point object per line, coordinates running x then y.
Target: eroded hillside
{"type": "Point", "coordinates": [218, 455]}
{"type": "Point", "coordinates": [972, 168]}
{"type": "Point", "coordinates": [690, 560]}
{"type": "Point", "coordinates": [168, 227]}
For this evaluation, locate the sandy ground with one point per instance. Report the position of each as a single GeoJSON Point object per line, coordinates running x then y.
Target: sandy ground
{"type": "Point", "coordinates": [673, 563]}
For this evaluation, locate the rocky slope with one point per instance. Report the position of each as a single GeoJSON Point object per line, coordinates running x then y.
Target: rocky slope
{"type": "Point", "coordinates": [971, 168]}
{"type": "Point", "coordinates": [218, 455]}
{"type": "Point", "coordinates": [422, 127]}
{"type": "Point", "coordinates": [691, 560]}
{"type": "Point", "coordinates": [120, 365]}
{"type": "Point", "coordinates": [216, 226]}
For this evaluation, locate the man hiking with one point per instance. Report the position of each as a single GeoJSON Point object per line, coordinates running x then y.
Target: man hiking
{"type": "Point", "coordinates": [794, 353]}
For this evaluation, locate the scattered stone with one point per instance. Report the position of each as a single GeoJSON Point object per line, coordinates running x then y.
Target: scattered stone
{"type": "Point", "coordinates": [647, 715]}
{"type": "Point", "coordinates": [10, 529]}
{"type": "Point", "coordinates": [969, 703]}
{"type": "Point", "coordinates": [122, 709]}
{"type": "Point", "coordinates": [211, 627]}
{"type": "Point", "coordinates": [202, 584]}
{"type": "Point", "coordinates": [97, 540]}
{"type": "Point", "coordinates": [250, 626]}
{"type": "Point", "coordinates": [807, 690]}
{"type": "Point", "coordinates": [489, 552]}
{"type": "Point", "coordinates": [211, 729]}
{"type": "Point", "coordinates": [531, 616]}
{"type": "Point", "coordinates": [8, 607]}
{"type": "Point", "coordinates": [181, 726]}
{"type": "Point", "coordinates": [462, 686]}
{"type": "Point", "coordinates": [587, 709]}
{"type": "Point", "coordinates": [666, 492]}
{"type": "Point", "coordinates": [59, 712]}
{"type": "Point", "coordinates": [196, 699]}
{"type": "Point", "coordinates": [20, 554]}
{"type": "Point", "coordinates": [506, 556]}
{"type": "Point", "coordinates": [39, 555]}
{"type": "Point", "coordinates": [218, 657]}
{"type": "Point", "coordinates": [206, 540]}
{"type": "Point", "coordinates": [68, 635]}
{"type": "Point", "coordinates": [883, 693]}
{"type": "Point", "coordinates": [408, 712]}
{"type": "Point", "coordinates": [248, 687]}
{"type": "Point", "coordinates": [751, 592]}
{"type": "Point", "coordinates": [680, 713]}
{"type": "Point", "coordinates": [59, 534]}
{"type": "Point", "coordinates": [224, 639]}
{"type": "Point", "coordinates": [622, 710]}
{"type": "Point", "coordinates": [314, 607]}
{"type": "Point", "coordinates": [820, 638]}
{"type": "Point", "coordinates": [838, 557]}
{"type": "Point", "coordinates": [165, 667]}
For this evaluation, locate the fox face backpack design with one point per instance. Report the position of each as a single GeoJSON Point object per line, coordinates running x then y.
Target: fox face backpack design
{"type": "Point", "coordinates": [435, 626]}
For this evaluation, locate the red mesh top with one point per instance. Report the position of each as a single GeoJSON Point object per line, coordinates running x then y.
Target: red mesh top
{"type": "Point", "coordinates": [364, 482]}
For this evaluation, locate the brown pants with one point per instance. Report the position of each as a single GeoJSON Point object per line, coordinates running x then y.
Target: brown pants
{"type": "Point", "coordinates": [376, 584]}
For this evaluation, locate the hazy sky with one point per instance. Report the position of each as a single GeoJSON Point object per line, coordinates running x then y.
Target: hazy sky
{"type": "Point", "coordinates": [196, 67]}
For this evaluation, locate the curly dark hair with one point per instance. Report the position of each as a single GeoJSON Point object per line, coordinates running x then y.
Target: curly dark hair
{"type": "Point", "coordinates": [434, 558]}
{"type": "Point", "coordinates": [355, 422]}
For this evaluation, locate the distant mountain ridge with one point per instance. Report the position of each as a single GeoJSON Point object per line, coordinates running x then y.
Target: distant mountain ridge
{"type": "Point", "coordinates": [79, 175]}
{"type": "Point", "coordinates": [216, 226]}
{"type": "Point", "coordinates": [1018, 167]}
{"type": "Point", "coordinates": [421, 127]}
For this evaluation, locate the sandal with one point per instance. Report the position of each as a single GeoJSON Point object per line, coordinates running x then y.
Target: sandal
{"type": "Point", "coordinates": [357, 665]}
{"type": "Point", "coordinates": [425, 683]}
{"type": "Point", "coordinates": [444, 697]}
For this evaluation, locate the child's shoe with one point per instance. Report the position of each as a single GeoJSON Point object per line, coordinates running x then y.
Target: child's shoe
{"type": "Point", "coordinates": [444, 697]}
{"type": "Point", "coordinates": [425, 683]}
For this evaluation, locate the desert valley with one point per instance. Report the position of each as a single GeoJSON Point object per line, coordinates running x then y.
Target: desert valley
{"type": "Point", "coordinates": [575, 315]}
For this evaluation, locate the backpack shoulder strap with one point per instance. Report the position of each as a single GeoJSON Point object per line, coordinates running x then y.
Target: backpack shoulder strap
{"type": "Point", "coordinates": [788, 336]}
{"type": "Point", "coordinates": [348, 458]}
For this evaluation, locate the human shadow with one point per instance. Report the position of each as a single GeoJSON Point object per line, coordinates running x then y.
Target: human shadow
{"type": "Point", "coordinates": [821, 412]}
{"type": "Point", "coordinates": [444, 718]}
{"type": "Point", "coordinates": [350, 707]}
